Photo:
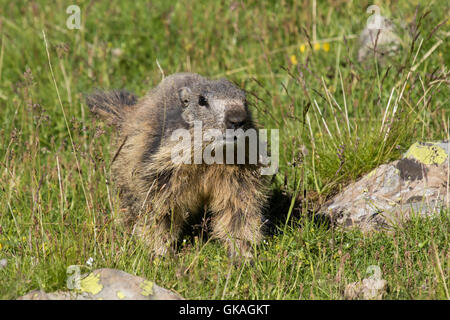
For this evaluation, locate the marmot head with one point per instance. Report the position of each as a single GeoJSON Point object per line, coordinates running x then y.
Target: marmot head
{"type": "Point", "coordinates": [219, 104]}
{"type": "Point", "coordinates": [178, 101]}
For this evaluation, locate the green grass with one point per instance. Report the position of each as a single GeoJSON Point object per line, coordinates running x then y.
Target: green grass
{"type": "Point", "coordinates": [56, 205]}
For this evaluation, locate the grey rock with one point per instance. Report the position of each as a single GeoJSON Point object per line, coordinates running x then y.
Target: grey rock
{"type": "Point", "coordinates": [392, 193]}
{"type": "Point", "coordinates": [367, 289]}
{"type": "Point", "coordinates": [382, 41]}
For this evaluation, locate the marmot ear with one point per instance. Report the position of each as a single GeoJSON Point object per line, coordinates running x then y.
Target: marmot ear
{"type": "Point", "coordinates": [184, 94]}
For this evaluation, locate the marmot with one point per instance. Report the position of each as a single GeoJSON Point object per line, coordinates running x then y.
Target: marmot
{"type": "Point", "coordinates": [159, 195]}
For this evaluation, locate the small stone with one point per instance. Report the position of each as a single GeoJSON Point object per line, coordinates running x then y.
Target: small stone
{"type": "Point", "coordinates": [3, 263]}
{"type": "Point", "coordinates": [382, 41]}
{"type": "Point", "coordinates": [367, 289]}
{"type": "Point", "coordinates": [117, 52]}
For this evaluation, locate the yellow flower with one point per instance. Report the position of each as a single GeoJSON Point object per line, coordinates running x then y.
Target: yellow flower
{"type": "Point", "coordinates": [326, 47]}
{"type": "Point", "coordinates": [302, 48]}
{"type": "Point", "coordinates": [316, 46]}
{"type": "Point", "coordinates": [294, 60]}
{"type": "Point", "coordinates": [0, 246]}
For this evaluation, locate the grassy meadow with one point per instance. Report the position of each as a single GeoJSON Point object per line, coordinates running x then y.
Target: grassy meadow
{"type": "Point", "coordinates": [297, 60]}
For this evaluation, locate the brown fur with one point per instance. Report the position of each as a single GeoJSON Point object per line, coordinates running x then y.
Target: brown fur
{"type": "Point", "coordinates": [159, 195]}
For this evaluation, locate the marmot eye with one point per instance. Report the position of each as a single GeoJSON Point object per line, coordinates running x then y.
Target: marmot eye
{"type": "Point", "coordinates": [202, 101]}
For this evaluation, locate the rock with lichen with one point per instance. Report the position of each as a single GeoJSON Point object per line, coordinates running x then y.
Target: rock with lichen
{"type": "Point", "coordinates": [108, 284]}
{"type": "Point", "coordinates": [389, 195]}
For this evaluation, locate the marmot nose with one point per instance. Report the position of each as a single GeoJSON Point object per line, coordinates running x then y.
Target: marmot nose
{"type": "Point", "coordinates": [235, 119]}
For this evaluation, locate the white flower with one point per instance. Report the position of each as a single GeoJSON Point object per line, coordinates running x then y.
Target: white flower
{"type": "Point", "coordinates": [90, 261]}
